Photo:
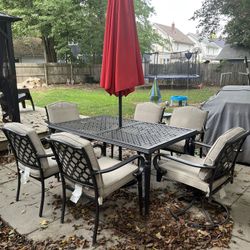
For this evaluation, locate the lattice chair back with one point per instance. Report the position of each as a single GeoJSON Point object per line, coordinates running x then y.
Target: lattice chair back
{"type": "Point", "coordinates": [224, 152]}
{"type": "Point", "coordinates": [76, 159]}
{"type": "Point", "coordinates": [62, 112]}
{"type": "Point", "coordinates": [25, 145]}
{"type": "Point", "coordinates": [148, 112]}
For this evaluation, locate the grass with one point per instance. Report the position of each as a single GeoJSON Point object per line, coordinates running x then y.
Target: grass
{"type": "Point", "coordinates": [95, 101]}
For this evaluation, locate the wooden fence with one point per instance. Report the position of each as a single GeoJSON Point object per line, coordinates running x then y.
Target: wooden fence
{"type": "Point", "coordinates": [226, 73]}
{"type": "Point", "coordinates": [53, 73]}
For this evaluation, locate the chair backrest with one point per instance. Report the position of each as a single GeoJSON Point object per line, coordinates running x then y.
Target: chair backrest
{"type": "Point", "coordinates": [189, 117]}
{"type": "Point", "coordinates": [148, 112]}
{"type": "Point", "coordinates": [25, 145]}
{"type": "Point", "coordinates": [224, 152]}
{"type": "Point", "coordinates": [76, 159]}
{"type": "Point", "coordinates": [62, 112]}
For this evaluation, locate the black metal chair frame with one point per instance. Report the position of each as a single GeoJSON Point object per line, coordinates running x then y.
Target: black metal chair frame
{"type": "Point", "coordinates": [224, 166]}
{"type": "Point", "coordinates": [24, 94]}
{"type": "Point", "coordinates": [86, 177]}
{"type": "Point", "coordinates": [25, 153]}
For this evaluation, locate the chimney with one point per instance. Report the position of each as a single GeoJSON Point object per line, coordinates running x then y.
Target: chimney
{"type": "Point", "coordinates": [173, 27]}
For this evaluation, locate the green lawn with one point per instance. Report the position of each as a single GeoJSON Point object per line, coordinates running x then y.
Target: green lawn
{"type": "Point", "coordinates": [96, 101]}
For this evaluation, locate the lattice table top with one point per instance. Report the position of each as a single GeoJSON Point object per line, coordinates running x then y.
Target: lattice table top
{"type": "Point", "coordinates": [141, 136]}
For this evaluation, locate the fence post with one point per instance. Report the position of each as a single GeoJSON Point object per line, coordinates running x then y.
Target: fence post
{"type": "Point", "coordinates": [45, 73]}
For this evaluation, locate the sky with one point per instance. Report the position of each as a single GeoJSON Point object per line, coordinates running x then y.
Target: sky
{"type": "Point", "coordinates": [177, 11]}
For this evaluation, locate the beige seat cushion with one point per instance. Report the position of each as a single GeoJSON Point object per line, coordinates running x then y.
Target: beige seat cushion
{"type": "Point", "coordinates": [189, 117]}
{"type": "Point", "coordinates": [52, 169]}
{"type": "Point", "coordinates": [62, 112]}
{"type": "Point", "coordinates": [148, 112]}
{"type": "Point", "coordinates": [177, 147]}
{"type": "Point", "coordinates": [188, 175]}
{"type": "Point", "coordinates": [214, 151]}
{"type": "Point", "coordinates": [22, 129]}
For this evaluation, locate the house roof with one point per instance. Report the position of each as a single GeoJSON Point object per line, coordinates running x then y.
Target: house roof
{"type": "Point", "coordinates": [205, 41]}
{"type": "Point", "coordinates": [174, 33]}
{"type": "Point", "coordinates": [5, 17]}
{"type": "Point", "coordinates": [233, 52]}
{"type": "Point", "coordinates": [28, 46]}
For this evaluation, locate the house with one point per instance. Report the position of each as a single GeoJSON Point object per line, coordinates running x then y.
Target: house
{"type": "Point", "coordinates": [209, 50]}
{"type": "Point", "coordinates": [233, 53]}
{"type": "Point", "coordinates": [28, 50]}
{"type": "Point", "coordinates": [178, 41]}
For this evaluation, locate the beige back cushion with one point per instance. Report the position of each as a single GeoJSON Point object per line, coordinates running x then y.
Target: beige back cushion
{"type": "Point", "coordinates": [148, 112]}
{"type": "Point", "coordinates": [62, 112]}
{"type": "Point", "coordinates": [219, 144]}
{"type": "Point", "coordinates": [189, 117]}
{"type": "Point", "coordinates": [22, 129]}
{"type": "Point", "coordinates": [77, 141]}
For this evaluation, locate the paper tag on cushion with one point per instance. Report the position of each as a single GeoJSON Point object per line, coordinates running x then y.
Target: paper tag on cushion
{"type": "Point", "coordinates": [100, 201]}
{"type": "Point", "coordinates": [76, 194]}
{"type": "Point", "coordinates": [222, 193]}
{"type": "Point", "coordinates": [25, 174]}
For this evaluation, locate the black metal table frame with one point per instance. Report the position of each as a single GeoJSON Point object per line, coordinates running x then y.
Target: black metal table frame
{"type": "Point", "coordinates": [107, 131]}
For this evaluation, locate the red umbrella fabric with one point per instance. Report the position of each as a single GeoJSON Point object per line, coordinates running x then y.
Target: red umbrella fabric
{"type": "Point", "coordinates": [121, 65]}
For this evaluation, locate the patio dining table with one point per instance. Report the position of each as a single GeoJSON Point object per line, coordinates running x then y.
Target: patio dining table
{"type": "Point", "coordinates": [143, 137]}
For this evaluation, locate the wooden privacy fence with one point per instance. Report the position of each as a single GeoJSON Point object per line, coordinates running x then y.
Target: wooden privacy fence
{"type": "Point", "coordinates": [227, 73]}
{"type": "Point", "coordinates": [53, 73]}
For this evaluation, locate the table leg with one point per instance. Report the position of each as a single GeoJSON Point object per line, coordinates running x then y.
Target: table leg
{"type": "Point", "coordinates": [120, 153]}
{"type": "Point", "coordinates": [147, 174]}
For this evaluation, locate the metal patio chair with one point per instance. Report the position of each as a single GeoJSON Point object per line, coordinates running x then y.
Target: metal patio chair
{"type": "Point", "coordinates": [206, 176]}
{"type": "Point", "coordinates": [188, 117]}
{"type": "Point", "coordinates": [31, 157]}
{"type": "Point", "coordinates": [98, 178]}
{"type": "Point", "coordinates": [62, 112]}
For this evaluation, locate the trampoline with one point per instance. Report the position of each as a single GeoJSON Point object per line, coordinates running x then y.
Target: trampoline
{"type": "Point", "coordinates": [181, 67]}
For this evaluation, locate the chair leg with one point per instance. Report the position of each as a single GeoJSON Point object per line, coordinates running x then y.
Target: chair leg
{"type": "Point", "coordinates": [112, 151]}
{"type": "Point", "coordinates": [18, 185]}
{"type": "Point", "coordinates": [32, 103]}
{"type": "Point", "coordinates": [139, 179]}
{"type": "Point", "coordinates": [96, 221]}
{"type": "Point", "coordinates": [201, 152]}
{"type": "Point", "coordinates": [42, 198]}
{"type": "Point", "coordinates": [63, 200]}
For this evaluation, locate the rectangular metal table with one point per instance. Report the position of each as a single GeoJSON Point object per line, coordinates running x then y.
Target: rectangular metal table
{"type": "Point", "coordinates": [140, 136]}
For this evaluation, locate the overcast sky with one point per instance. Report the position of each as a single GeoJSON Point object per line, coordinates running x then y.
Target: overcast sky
{"type": "Point", "coordinates": [177, 11]}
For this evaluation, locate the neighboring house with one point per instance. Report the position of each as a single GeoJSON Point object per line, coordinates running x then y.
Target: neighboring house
{"type": "Point", "coordinates": [209, 50]}
{"type": "Point", "coordinates": [179, 42]}
{"type": "Point", "coordinates": [29, 50]}
{"type": "Point", "coordinates": [233, 53]}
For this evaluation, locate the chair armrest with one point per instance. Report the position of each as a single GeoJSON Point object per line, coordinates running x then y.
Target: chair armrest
{"type": "Point", "coordinates": [120, 164]}
{"type": "Point", "coordinates": [202, 144]}
{"type": "Point", "coordinates": [189, 163]}
{"type": "Point", "coordinates": [44, 156]}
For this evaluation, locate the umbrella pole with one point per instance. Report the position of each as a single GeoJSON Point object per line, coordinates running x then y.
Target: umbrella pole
{"type": "Point", "coordinates": [120, 109]}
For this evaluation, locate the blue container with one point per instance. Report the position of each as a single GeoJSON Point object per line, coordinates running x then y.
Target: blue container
{"type": "Point", "coordinates": [181, 99]}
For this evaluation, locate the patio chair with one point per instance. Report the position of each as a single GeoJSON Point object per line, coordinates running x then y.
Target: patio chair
{"type": "Point", "coordinates": [188, 117]}
{"type": "Point", "coordinates": [23, 95]}
{"type": "Point", "coordinates": [207, 175]}
{"type": "Point", "coordinates": [31, 157]}
{"type": "Point", "coordinates": [62, 112]}
{"type": "Point", "coordinates": [146, 112]}
{"type": "Point", "coordinates": [97, 178]}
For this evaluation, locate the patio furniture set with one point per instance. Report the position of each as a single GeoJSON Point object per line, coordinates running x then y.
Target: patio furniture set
{"type": "Point", "coordinates": [72, 157]}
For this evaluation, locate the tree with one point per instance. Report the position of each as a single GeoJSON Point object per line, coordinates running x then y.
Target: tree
{"type": "Point", "coordinates": [234, 12]}
{"type": "Point", "coordinates": [81, 22]}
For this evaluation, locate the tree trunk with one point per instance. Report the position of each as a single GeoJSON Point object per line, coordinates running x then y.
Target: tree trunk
{"type": "Point", "coordinates": [49, 50]}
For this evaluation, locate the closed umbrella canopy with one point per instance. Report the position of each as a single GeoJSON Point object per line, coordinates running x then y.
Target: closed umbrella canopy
{"type": "Point", "coordinates": [155, 94]}
{"type": "Point", "coordinates": [121, 65]}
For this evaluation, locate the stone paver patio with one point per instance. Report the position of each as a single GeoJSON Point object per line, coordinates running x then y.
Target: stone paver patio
{"type": "Point", "coordinates": [23, 215]}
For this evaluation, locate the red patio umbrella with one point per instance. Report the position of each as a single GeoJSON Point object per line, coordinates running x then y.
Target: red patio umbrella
{"type": "Point", "coordinates": [121, 62]}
